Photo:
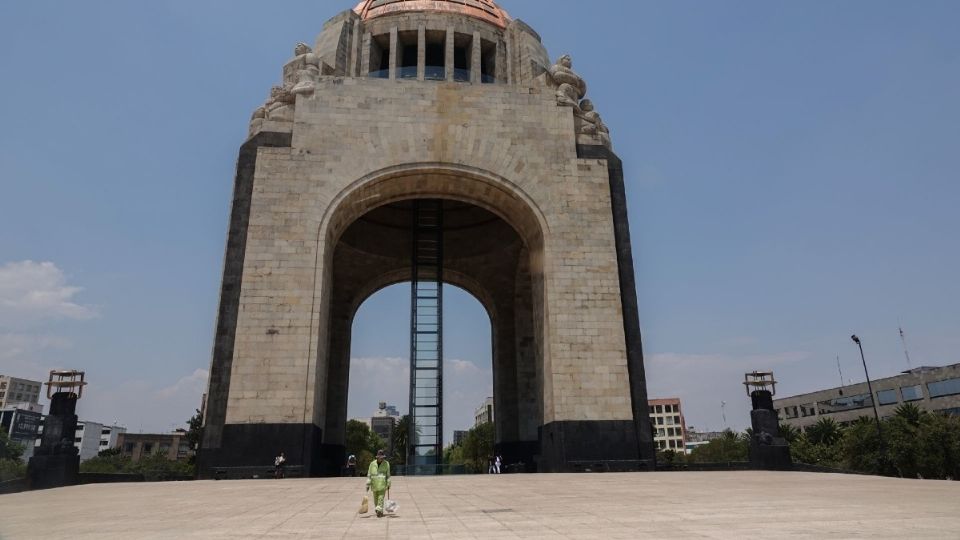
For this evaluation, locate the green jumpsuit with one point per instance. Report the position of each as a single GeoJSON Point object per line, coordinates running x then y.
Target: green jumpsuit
{"type": "Point", "coordinates": [378, 480]}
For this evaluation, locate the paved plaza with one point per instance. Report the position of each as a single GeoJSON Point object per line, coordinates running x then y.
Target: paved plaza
{"type": "Point", "coordinates": [660, 505]}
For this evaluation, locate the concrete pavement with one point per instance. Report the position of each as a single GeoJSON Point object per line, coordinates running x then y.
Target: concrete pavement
{"type": "Point", "coordinates": [653, 505]}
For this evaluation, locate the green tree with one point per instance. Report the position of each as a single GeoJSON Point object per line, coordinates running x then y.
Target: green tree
{"type": "Point", "coordinates": [401, 436]}
{"type": "Point", "coordinates": [861, 446]}
{"type": "Point", "coordinates": [789, 432]}
{"type": "Point", "coordinates": [9, 450]}
{"type": "Point", "coordinates": [362, 443]}
{"type": "Point", "coordinates": [910, 413]}
{"type": "Point", "coordinates": [194, 434]}
{"type": "Point", "coordinates": [12, 469]}
{"type": "Point", "coordinates": [825, 432]}
{"type": "Point", "coordinates": [802, 450]}
{"type": "Point", "coordinates": [110, 452]}
{"type": "Point", "coordinates": [671, 457]}
{"type": "Point", "coordinates": [107, 462]}
{"type": "Point", "coordinates": [728, 447]}
{"type": "Point", "coordinates": [11, 466]}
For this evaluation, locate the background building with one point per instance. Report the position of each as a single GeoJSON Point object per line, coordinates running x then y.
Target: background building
{"type": "Point", "coordinates": [23, 427]}
{"type": "Point", "coordinates": [110, 437]}
{"type": "Point", "coordinates": [669, 428]}
{"type": "Point", "coordinates": [90, 438]}
{"type": "Point", "coordinates": [484, 413]}
{"type": "Point", "coordinates": [383, 421]}
{"type": "Point", "coordinates": [935, 389]}
{"type": "Point", "coordinates": [20, 393]}
{"type": "Point", "coordinates": [87, 439]}
{"type": "Point", "coordinates": [137, 446]}
{"type": "Point", "coordinates": [695, 438]}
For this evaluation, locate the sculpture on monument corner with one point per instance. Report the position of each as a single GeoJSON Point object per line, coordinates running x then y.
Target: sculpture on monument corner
{"type": "Point", "coordinates": [56, 462]}
{"type": "Point", "coordinates": [571, 90]}
{"type": "Point", "coordinates": [300, 77]}
{"type": "Point", "coordinates": [768, 449]}
{"type": "Point", "coordinates": [307, 67]}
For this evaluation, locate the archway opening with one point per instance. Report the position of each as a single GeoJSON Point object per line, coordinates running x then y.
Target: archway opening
{"type": "Point", "coordinates": [378, 392]}
{"type": "Point", "coordinates": [483, 258]}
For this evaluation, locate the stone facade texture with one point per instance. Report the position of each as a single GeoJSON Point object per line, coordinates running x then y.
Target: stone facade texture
{"type": "Point", "coordinates": [301, 257]}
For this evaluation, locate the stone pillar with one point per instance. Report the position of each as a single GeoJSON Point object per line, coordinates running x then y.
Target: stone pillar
{"type": "Point", "coordinates": [365, 45]}
{"type": "Point", "coordinates": [475, 59]}
{"type": "Point", "coordinates": [394, 43]}
{"type": "Point", "coordinates": [355, 53]}
{"type": "Point", "coordinates": [421, 52]}
{"type": "Point", "coordinates": [451, 64]}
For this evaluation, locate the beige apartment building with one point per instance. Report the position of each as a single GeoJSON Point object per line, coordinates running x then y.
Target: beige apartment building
{"type": "Point", "coordinates": [669, 427]}
{"type": "Point", "coordinates": [934, 389]}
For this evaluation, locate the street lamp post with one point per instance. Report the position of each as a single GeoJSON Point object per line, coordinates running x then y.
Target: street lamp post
{"type": "Point", "coordinates": [876, 411]}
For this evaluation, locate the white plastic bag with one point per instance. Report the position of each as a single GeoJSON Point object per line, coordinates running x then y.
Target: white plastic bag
{"type": "Point", "coordinates": [391, 506]}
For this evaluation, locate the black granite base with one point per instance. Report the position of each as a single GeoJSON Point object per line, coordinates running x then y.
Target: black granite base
{"type": "Point", "coordinates": [333, 460]}
{"type": "Point", "coordinates": [591, 446]}
{"type": "Point", "coordinates": [518, 456]}
{"type": "Point", "coordinates": [250, 449]}
{"type": "Point", "coordinates": [46, 472]}
{"type": "Point", "coordinates": [773, 457]}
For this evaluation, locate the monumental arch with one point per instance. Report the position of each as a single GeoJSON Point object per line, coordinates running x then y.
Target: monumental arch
{"type": "Point", "coordinates": [452, 108]}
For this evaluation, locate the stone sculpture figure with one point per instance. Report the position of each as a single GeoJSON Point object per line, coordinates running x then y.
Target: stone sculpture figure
{"type": "Point", "coordinates": [306, 66]}
{"type": "Point", "coordinates": [279, 105]}
{"type": "Point", "coordinates": [590, 123]}
{"type": "Point", "coordinates": [571, 88]}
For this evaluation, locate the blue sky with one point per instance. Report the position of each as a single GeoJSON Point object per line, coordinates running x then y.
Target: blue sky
{"type": "Point", "coordinates": [791, 168]}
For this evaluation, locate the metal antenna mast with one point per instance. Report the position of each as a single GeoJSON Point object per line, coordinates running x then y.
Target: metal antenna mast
{"type": "Point", "coordinates": [903, 340]}
{"type": "Point", "coordinates": [840, 370]}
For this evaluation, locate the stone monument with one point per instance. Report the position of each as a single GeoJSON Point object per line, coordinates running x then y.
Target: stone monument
{"type": "Point", "coordinates": [768, 449]}
{"type": "Point", "coordinates": [404, 116]}
{"type": "Point", "coordinates": [56, 462]}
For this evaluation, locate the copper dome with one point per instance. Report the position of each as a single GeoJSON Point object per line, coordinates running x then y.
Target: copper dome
{"type": "Point", "coordinates": [485, 10]}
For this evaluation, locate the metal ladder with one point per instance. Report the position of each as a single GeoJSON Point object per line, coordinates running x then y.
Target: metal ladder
{"type": "Point", "coordinates": [426, 338]}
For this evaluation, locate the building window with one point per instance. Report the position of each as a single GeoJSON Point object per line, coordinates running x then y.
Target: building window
{"type": "Point", "coordinates": [128, 448]}
{"type": "Point", "coordinates": [78, 440]}
{"type": "Point", "coordinates": [887, 397]}
{"type": "Point", "coordinates": [911, 393]}
{"type": "Point", "coordinates": [435, 56]}
{"type": "Point", "coordinates": [661, 432]}
{"type": "Point", "coordinates": [676, 420]}
{"type": "Point", "coordinates": [407, 55]}
{"type": "Point", "coordinates": [147, 447]}
{"type": "Point", "coordinates": [462, 57]}
{"type": "Point", "coordinates": [948, 387]}
{"type": "Point", "coordinates": [659, 420]}
{"type": "Point", "coordinates": [380, 56]}
{"type": "Point", "coordinates": [488, 62]}
{"type": "Point", "coordinates": [659, 409]}
{"type": "Point", "coordinates": [845, 403]}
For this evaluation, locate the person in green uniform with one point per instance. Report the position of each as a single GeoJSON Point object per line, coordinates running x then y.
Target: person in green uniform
{"type": "Point", "coordinates": [378, 479]}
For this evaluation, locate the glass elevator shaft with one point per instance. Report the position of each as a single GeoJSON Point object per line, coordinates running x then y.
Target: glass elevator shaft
{"type": "Point", "coordinates": [426, 339]}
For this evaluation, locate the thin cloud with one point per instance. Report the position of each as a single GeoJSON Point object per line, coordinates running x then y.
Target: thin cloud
{"type": "Point", "coordinates": [195, 383]}
{"type": "Point", "coordinates": [32, 291]}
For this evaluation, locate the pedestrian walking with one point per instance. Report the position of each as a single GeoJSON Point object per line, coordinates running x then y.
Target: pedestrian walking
{"type": "Point", "coordinates": [351, 465]}
{"type": "Point", "coordinates": [378, 480]}
{"type": "Point", "coordinates": [278, 466]}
